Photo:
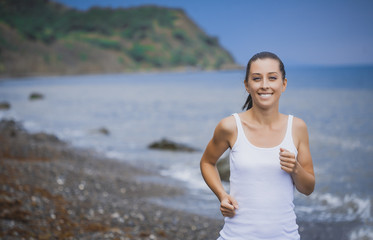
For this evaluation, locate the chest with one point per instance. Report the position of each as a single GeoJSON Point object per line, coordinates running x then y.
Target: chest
{"type": "Point", "coordinates": [264, 137]}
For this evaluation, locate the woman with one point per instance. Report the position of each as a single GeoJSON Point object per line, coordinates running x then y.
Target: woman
{"type": "Point", "coordinates": [269, 154]}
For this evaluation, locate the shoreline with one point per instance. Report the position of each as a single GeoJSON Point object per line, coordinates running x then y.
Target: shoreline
{"type": "Point", "coordinates": [52, 190]}
{"type": "Point", "coordinates": [139, 71]}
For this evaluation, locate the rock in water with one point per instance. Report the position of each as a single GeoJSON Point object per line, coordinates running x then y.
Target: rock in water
{"type": "Point", "coordinates": [4, 105]}
{"type": "Point", "coordinates": [36, 96]}
{"type": "Point", "coordinates": [166, 144]}
{"type": "Point", "coordinates": [102, 131]}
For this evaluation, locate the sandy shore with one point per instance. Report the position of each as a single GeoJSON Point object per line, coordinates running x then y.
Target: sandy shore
{"type": "Point", "coordinates": [51, 190]}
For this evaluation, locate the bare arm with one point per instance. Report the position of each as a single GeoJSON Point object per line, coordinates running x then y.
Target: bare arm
{"type": "Point", "coordinates": [220, 142]}
{"type": "Point", "coordinates": [301, 170]}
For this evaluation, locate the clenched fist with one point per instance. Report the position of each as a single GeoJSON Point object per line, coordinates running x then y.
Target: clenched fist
{"type": "Point", "coordinates": [287, 161]}
{"type": "Point", "coordinates": [228, 205]}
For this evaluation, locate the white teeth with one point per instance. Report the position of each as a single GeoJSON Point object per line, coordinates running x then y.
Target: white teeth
{"type": "Point", "coordinates": [265, 95]}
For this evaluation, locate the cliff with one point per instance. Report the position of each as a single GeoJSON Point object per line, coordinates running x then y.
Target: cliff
{"type": "Point", "coordinates": [41, 37]}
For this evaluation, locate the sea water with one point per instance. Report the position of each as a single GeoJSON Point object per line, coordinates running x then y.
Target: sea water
{"type": "Point", "coordinates": [137, 109]}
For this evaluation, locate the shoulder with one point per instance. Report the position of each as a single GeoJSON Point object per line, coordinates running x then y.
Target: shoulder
{"type": "Point", "coordinates": [300, 132]}
{"type": "Point", "coordinates": [299, 125]}
{"type": "Point", "coordinates": [226, 125]}
{"type": "Point", "coordinates": [225, 131]}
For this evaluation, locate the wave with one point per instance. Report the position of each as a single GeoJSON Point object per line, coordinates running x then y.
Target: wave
{"type": "Point", "coordinates": [362, 233]}
{"type": "Point", "coordinates": [329, 207]}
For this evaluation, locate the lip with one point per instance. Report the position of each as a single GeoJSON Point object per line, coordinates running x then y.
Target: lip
{"type": "Point", "coordinates": [265, 95]}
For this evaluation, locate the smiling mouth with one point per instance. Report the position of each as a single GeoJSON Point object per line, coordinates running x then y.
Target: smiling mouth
{"type": "Point", "coordinates": [265, 94]}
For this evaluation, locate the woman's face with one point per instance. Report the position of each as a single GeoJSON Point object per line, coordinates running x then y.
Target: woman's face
{"type": "Point", "coordinates": [265, 83]}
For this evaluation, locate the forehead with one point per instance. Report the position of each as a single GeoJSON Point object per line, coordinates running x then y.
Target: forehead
{"type": "Point", "coordinates": [266, 65]}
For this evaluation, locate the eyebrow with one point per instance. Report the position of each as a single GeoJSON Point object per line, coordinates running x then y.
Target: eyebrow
{"type": "Point", "coordinates": [268, 73]}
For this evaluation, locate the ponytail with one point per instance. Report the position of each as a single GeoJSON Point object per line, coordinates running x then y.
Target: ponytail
{"type": "Point", "coordinates": [248, 104]}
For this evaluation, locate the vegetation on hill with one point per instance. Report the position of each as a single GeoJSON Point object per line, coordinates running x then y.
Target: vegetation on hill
{"type": "Point", "coordinates": [44, 37]}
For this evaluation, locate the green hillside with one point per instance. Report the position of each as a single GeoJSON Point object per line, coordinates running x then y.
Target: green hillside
{"type": "Point", "coordinates": [43, 37]}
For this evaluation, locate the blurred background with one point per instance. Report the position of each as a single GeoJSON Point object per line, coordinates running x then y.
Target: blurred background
{"type": "Point", "coordinates": [116, 76]}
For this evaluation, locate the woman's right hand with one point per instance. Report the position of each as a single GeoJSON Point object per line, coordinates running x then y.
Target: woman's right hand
{"type": "Point", "coordinates": [228, 205]}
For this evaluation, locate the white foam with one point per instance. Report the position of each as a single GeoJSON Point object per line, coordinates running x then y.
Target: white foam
{"type": "Point", "coordinates": [304, 209]}
{"type": "Point", "coordinates": [347, 207]}
{"type": "Point", "coordinates": [363, 233]}
{"type": "Point", "coordinates": [194, 179]}
{"type": "Point", "coordinates": [32, 126]}
{"type": "Point", "coordinates": [114, 154]}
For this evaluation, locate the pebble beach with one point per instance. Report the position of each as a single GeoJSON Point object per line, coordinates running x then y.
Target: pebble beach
{"type": "Point", "coordinates": [50, 190]}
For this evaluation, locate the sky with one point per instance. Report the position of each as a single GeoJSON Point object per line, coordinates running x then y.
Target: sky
{"type": "Point", "coordinates": [329, 32]}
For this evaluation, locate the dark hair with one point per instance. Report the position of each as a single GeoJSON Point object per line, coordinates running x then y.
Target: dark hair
{"type": "Point", "coordinates": [262, 55]}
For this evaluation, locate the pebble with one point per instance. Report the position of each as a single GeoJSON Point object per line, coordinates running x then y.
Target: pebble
{"type": "Point", "coordinates": [81, 186]}
{"type": "Point", "coordinates": [60, 180]}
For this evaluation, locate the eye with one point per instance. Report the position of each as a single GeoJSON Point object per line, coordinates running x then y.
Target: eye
{"type": "Point", "coordinates": [272, 78]}
{"type": "Point", "coordinates": [256, 79]}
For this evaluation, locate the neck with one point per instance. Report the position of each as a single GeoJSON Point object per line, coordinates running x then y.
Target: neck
{"type": "Point", "coordinates": [264, 116]}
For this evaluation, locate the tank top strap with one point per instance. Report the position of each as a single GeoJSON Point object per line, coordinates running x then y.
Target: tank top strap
{"type": "Point", "coordinates": [289, 132]}
{"type": "Point", "coordinates": [240, 131]}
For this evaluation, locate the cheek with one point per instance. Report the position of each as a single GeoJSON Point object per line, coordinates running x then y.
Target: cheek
{"type": "Point", "coordinates": [253, 85]}
{"type": "Point", "coordinates": [279, 86]}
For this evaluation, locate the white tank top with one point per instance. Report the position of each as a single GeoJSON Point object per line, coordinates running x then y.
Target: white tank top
{"type": "Point", "coordinates": [263, 190]}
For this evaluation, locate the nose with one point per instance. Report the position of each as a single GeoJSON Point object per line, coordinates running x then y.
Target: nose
{"type": "Point", "coordinates": [265, 83]}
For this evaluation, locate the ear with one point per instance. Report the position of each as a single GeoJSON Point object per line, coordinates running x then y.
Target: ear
{"type": "Point", "coordinates": [247, 86]}
{"type": "Point", "coordinates": [284, 84]}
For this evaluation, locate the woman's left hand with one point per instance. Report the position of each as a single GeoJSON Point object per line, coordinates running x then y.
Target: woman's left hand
{"type": "Point", "coordinates": [287, 161]}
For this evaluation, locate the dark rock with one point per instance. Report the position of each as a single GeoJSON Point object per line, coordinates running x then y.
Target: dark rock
{"type": "Point", "coordinates": [10, 128]}
{"type": "Point", "coordinates": [166, 144]}
{"type": "Point", "coordinates": [223, 168]}
{"type": "Point", "coordinates": [45, 137]}
{"type": "Point", "coordinates": [16, 143]}
{"type": "Point", "coordinates": [4, 105]}
{"type": "Point", "coordinates": [36, 96]}
{"type": "Point", "coordinates": [102, 130]}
